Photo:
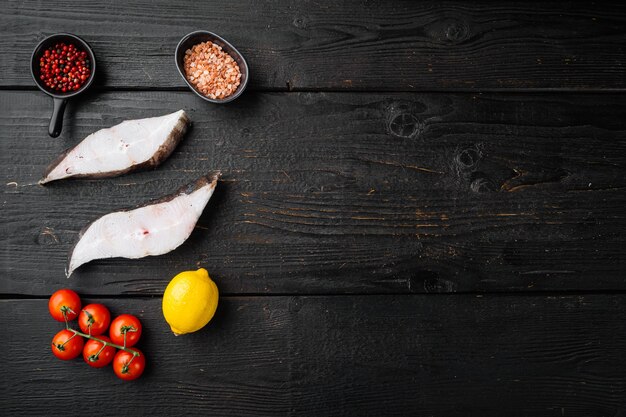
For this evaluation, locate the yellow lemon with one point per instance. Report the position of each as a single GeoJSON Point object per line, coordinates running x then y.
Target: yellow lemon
{"type": "Point", "coordinates": [190, 301]}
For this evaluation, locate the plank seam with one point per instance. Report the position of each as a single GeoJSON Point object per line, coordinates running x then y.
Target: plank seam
{"type": "Point", "coordinates": [371, 294]}
{"type": "Point", "coordinates": [14, 88]}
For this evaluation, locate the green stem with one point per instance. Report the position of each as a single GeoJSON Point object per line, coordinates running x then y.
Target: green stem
{"type": "Point", "coordinates": [94, 358]}
{"type": "Point", "coordinates": [104, 342]}
{"type": "Point", "coordinates": [100, 351]}
{"type": "Point", "coordinates": [90, 320]}
{"type": "Point", "coordinates": [127, 365]}
{"type": "Point", "coordinates": [64, 312]}
{"type": "Point", "coordinates": [64, 343]}
{"type": "Point", "coordinates": [125, 330]}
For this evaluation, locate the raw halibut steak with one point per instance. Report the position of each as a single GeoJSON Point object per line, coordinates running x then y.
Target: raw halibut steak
{"type": "Point", "coordinates": [131, 145]}
{"type": "Point", "coordinates": [154, 228]}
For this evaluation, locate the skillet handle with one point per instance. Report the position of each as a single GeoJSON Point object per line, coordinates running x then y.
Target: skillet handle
{"type": "Point", "coordinates": [56, 120]}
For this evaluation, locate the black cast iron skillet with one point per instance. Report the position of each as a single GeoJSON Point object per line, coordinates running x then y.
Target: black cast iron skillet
{"type": "Point", "coordinates": [59, 98]}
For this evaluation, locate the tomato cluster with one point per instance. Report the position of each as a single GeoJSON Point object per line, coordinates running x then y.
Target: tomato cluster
{"type": "Point", "coordinates": [99, 350]}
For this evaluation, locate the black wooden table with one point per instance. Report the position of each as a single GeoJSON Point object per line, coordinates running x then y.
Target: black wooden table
{"type": "Point", "coordinates": [422, 210]}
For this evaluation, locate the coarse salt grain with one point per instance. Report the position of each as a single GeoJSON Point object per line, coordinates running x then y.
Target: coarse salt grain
{"type": "Point", "coordinates": [210, 70]}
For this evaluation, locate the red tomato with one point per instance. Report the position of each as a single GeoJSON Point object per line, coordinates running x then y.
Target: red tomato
{"type": "Point", "coordinates": [125, 324]}
{"type": "Point", "coordinates": [96, 354]}
{"type": "Point", "coordinates": [67, 345]}
{"type": "Point", "coordinates": [127, 368]}
{"type": "Point", "coordinates": [94, 319]}
{"type": "Point", "coordinates": [64, 301]}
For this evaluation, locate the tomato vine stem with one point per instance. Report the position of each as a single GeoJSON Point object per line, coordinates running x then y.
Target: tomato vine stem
{"type": "Point", "coordinates": [125, 330]}
{"type": "Point", "coordinates": [104, 342]}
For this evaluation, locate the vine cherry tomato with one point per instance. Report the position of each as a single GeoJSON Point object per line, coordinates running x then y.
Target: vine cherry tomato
{"type": "Point", "coordinates": [67, 345]}
{"type": "Point", "coordinates": [96, 354]}
{"type": "Point", "coordinates": [128, 325]}
{"type": "Point", "coordinates": [128, 368]}
{"type": "Point", "coordinates": [94, 319]}
{"type": "Point", "coordinates": [64, 300]}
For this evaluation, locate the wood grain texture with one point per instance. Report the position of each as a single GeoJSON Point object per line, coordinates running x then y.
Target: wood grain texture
{"type": "Point", "coordinates": [350, 45]}
{"type": "Point", "coordinates": [326, 193]}
{"type": "Point", "coordinates": [436, 355]}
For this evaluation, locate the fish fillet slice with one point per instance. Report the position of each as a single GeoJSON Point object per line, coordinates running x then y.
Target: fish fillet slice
{"type": "Point", "coordinates": [130, 145]}
{"type": "Point", "coordinates": [155, 228]}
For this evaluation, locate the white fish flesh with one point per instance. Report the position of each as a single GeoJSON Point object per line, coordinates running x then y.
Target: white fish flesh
{"type": "Point", "coordinates": [154, 228]}
{"type": "Point", "coordinates": [128, 146]}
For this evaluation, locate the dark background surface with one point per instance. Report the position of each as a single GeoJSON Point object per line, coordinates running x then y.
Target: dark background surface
{"type": "Point", "coordinates": [422, 210]}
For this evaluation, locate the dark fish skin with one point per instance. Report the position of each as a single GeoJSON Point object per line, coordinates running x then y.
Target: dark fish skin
{"type": "Point", "coordinates": [164, 151]}
{"type": "Point", "coordinates": [211, 178]}
{"type": "Point", "coordinates": [204, 180]}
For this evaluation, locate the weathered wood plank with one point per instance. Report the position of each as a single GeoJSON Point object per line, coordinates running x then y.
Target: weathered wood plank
{"type": "Point", "coordinates": [437, 355]}
{"type": "Point", "coordinates": [392, 45]}
{"type": "Point", "coordinates": [477, 193]}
